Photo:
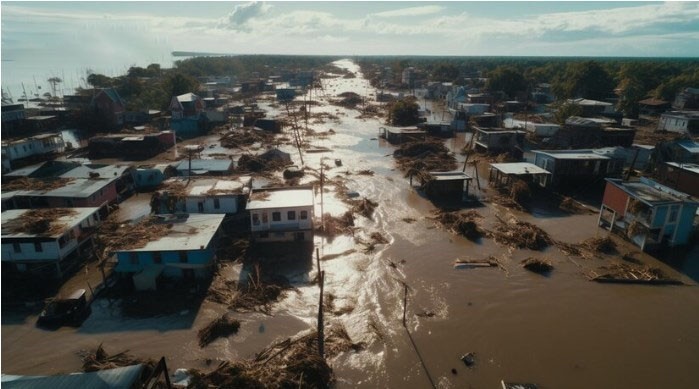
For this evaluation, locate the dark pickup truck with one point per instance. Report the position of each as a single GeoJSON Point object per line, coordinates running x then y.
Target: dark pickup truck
{"type": "Point", "coordinates": [71, 311]}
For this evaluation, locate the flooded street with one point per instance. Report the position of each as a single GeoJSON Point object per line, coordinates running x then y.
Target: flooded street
{"type": "Point", "coordinates": [560, 331]}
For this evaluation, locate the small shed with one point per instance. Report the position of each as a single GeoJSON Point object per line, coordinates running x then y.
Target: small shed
{"type": "Point", "coordinates": [400, 135]}
{"type": "Point", "coordinates": [452, 185]}
{"type": "Point", "coordinates": [502, 174]}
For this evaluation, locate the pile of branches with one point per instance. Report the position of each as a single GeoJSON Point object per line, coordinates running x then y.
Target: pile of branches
{"type": "Point", "coordinates": [600, 245]}
{"type": "Point", "coordinates": [43, 221]}
{"type": "Point", "coordinates": [462, 223]}
{"type": "Point", "coordinates": [35, 184]}
{"type": "Point", "coordinates": [113, 236]}
{"type": "Point", "coordinates": [348, 100]}
{"type": "Point", "coordinates": [570, 205]}
{"type": "Point", "coordinates": [537, 265]}
{"type": "Point", "coordinates": [424, 156]}
{"type": "Point", "coordinates": [520, 234]}
{"type": "Point", "coordinates": [520, 191]}
{"type": "Point", "coordinates": [222, 327]}
{"type": "Point", "coordinates": [246, 137]}
{"type": "Point", "coordinates": [629, 273]}
{"type": "Point", "coordinates": [99, 359]}
{"type": "Point", "coordinates": [337, 225]}
{"type": "Point", "coordinates": [290, 363]}
{"type": "Point", "coordinates": [364, 207]}
{"type": "Point", "coordinates": [252, 163]}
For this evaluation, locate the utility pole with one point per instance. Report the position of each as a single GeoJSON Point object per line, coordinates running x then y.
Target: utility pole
{"type": "Point", "coordinates": [322, 213]}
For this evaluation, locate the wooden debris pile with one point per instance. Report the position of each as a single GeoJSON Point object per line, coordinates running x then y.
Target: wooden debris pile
{"type": "Point", "coordinates": [600, 245]}
{"type": "Point", "coordinates": [538, 265]}
{"type": "Point", "coordinates": [348, 100]}
{"type": "Point", "coordinates": [424, 156]}
{"type": "Point", "coordinates": [626, 273]}
{"type": "Point", "coordinates": [336, 225]}
{"type": "Point", "coordinates": [222, 327]}
{"type": "Point", "coordinates": [99, 359]}
{"type": "Point", "coordinates": [42, 221]}
{"type": "Point", "coordinates": [35, 184]}
{"type": "Point", "coordinates": [571, 206]}
{"type": "Point", "coordinates": [462, 223]}
{"type": "Point", "coordinates": [291, 363]}
{"type": "Point", "coordinates": [113, 236]}
{"type": "Point", "coordinates": [520, 234]}
{"type": "Point", "coordinates": [253, 163]}
{"type": "Point", "coordinates": [364, 207]}
{"type": "Point", "coordinates": [245, 137]}
{"type": "Point", "coordinates": [520, 192]}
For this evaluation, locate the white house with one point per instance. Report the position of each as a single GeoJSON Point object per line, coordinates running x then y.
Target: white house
{"type": "Point", "coordinates": [38, 145]}
{"type": "Point", "coordinates": [203, 195]}
{"type": "Point", "coordinates": [680, 121]}
{"type": "Point", "coordinates": [51, 244]}
{"type": "Point", "coordinates": [283, 214]}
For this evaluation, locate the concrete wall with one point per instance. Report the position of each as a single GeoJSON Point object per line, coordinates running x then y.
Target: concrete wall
{"type": "Point", "coordinates": [227, 204]}
{"type": "Point", "coordinates": [262, 220]}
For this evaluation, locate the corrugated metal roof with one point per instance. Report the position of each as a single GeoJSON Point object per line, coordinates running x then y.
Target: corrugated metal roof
{"type": "Point", "coordinates": [692, 167]}
{"type": "Point", "coordinates": [286, 198]}
{"type": "Point", "coordinates": [121, 378]}
{"type": "Point", "coordinates": [104, 171]}
{"type": "Point", "coordinates": [80, 188]}
{"type": "Point", "coordinates": [572, 154]}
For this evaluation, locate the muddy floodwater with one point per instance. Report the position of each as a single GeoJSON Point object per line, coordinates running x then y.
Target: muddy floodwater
{"type": "Point", "coordinates": [558, 331]}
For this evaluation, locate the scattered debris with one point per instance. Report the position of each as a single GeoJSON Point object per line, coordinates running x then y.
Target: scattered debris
{"type": "Point", "coordinates": [520, 234]}
{"type": "Point", "coordinates": [377, 238]}
{"type": "Point", "coordinates": [490, 261]}
{"type": "Point", "coordinates": [245, 137]}
{"type": "Point", "coordinates": [419, 158]}
{"type": "Point", "coordinates": [364, 207]}
{"type": "Point", "coordinates": [469, 359]}
{"type": "Point", "coordinates": [568, 204]}
{"type": "Point", "coordinates": [222, 327]}
{"type": "Point", "coordinates": [336, 225]}
{"type": "Point", "coordinates": [512, 385]}
{"type": "Point", "coordinates": [348, 100]}
{"type": "Point", "coordinates": [113, 236]}
{"type": "Point", "coordinates": [538, 265]}
{"type": "Point", "coordinates": [462, 223]}
{"type": "Point", "coordinates": [35, 184]}
{"type": "Point", "coordinates": [520, 192]}
{"type": "Point", "coordinates": [100, 360]}
{"type": "Point", "coordinates": [42, 221]}
{"type": "Point", "coordinates": [627, 274]}
{"type": "Point", "coordinates": [600, 245]}
{"type": "Point", "coordinates": [366, 172]}
{"type": "Point", "coordinates": [409, 220]}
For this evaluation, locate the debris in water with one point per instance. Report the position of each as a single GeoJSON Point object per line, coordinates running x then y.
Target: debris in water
{"type": "Point", "coordinates": [628, 274]}
{"type": "Point", "coordinates": [469, 359]}
{"type": "Point", "coordinates": [538, 265]}
{"type": "Point", "coordinates": [462, 223]}
{"type": "Point", "coordinates": [101, 360]}
{"type": "Point", "coordinates": [521, 234]}
{"type": "Point", "coordinates": [601, 245]}
{"type": "Point", "coordinates": [222, 327]}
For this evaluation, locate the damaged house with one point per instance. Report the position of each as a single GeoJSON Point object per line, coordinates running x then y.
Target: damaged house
{"type": "Point", "coordinates": [47, 242]}
{"type": "Point", "coordinates": [185, 248]}
{"type": "Point", "coordinates": [576, 169]}
{"type": "Point", "coordinates": [130, 146]}
{"type": "Point", "coordinates": [201, 195]}
{"type": "Point", "coordinates": [648, 213]}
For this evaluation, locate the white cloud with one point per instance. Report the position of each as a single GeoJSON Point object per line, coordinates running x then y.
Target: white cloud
{"type": "Point", "coordinates": [242, 14]}
{"type": "Point", "coordinates": [412, 11]}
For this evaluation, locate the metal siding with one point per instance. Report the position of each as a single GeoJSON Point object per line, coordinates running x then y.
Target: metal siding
{"type": "Point", "coordinates": [660, 216]}
{"type": "Point", "coordinates": [615, 198]}
{"type": "Point", "coordinates": [685, 224]}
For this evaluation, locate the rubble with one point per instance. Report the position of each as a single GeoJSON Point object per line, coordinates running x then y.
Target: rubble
{"type": "Point", "coordinates": [222, 327]}
{"type": "Point", "coordinates": [520, 234]}
{"type": "Point", "coordinates": [537, 265]}
{"type": "Point", "coordinates": [101, 360]}
{"type": "Point", "coordinates": [462, 223]}
{"type": "Point", "coordinates": [626, 273]}
{"type": "Point", "coordinates": [42, 221]}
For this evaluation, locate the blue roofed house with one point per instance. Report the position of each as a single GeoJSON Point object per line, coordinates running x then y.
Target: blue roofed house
{"type": "Point", "coordinates": [648, 213]}
{"type": "Point", "coordinates": [281, 214]}
{"type": "Point", "coordinates": [187, 250]}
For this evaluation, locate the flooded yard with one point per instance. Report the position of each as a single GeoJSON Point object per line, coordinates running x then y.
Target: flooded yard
{"type": "Point", "coordinates": [558, 331]}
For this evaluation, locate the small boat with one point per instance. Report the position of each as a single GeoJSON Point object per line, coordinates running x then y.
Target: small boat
{"type": "Point", "coordinates": [338, 162]}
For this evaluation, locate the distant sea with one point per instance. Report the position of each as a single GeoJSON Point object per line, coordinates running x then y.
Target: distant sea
{"type": "Point", "coordinates": [35, 70]}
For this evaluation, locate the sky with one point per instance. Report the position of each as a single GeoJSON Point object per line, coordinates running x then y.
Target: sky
{"type": "Point", "coordinates": [107, 37]}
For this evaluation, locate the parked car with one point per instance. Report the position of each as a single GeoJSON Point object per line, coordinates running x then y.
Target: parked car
{"type": "Point", "coordinates": [71, 311]}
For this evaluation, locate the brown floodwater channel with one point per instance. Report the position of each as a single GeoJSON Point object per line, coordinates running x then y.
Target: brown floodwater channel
{"type": "Point", "coordinates": [558, 331]}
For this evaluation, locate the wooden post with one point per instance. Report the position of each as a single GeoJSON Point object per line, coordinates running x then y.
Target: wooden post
{"type": "Point", "coordinates": [322, 211]}
{"type": "Point", "coordinates": [475, 167]}
{"type": "Point", "coordinates": [321, 336]}
{"type": "Point", "coordinates": [633, 162]}
{"type": "Point", "coordinates": [318, 259]}
{"type": "Point", "coordinates": [405, 302]}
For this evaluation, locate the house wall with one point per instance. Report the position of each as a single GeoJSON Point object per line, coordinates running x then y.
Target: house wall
{"type": "Point", "coordinates": [659, 216]}
{"type": "Point", "coordinates": [266, 222]}
{"type": "Point", "coordinates": [283, 236]}
{"type": "Point", "coordinates": [227, 204]}
{"type": "Point", "coordinates": [672, 123]}
{"type": "Point", "coordinates": [146, 178]}
{"type": "Point", "coordinates": [616, 199]}
{"type": "Point", "coordinates": [680, 179]}
{"type": "Point", "coordinates": [107, 194]}
{"type": "Point", "coordinates": [685, 224]}
{"type": "Point", "coordinates": [145, 259]}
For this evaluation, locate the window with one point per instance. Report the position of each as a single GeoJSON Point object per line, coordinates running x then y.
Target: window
{"type": "Point", "coordinates": [674, 210]}
{"type": "Point", "coordinates": [133, 258]}
{"type": "Point", "coordinates": [276, 216]}
{"type": "Point", "coordinates": [217, 203]}
{"type": "Point", "coordinates": [255, 219]}
{"type": "Point", "coordinates": [303, 215]}
{"type": "Point", "coordinates": [183, 256]}
{"type": "Point", "coordinates": [264, 235]}
{"type": "Point", "coordinates": [200, 207]}
{"type": "Point", "coordinates": [37, 247]}
{"type": "Point", "coordinates": [265, 218]}
{"type": "Point", "coordinates": [157, 258]}
{"type": "Point", "coordinates": [291, 215]}
{"type": "Point", "coordinates": [16, 247]}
